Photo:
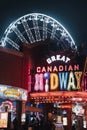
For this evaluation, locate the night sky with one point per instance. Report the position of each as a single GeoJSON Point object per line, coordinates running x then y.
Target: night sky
{"type": "Point", "coordinates": [72, 14]}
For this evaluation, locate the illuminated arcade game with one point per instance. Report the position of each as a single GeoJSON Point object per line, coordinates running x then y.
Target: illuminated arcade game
{"type": "Point", "coordinates": [52, 68]}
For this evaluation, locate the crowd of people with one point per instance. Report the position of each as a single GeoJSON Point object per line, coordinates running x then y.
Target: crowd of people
{"type": "Point", "coordinates": [38, 124]}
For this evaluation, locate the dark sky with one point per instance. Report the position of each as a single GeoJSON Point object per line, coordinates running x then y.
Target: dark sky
{"type": "Point", "coordinates": [72, 14]}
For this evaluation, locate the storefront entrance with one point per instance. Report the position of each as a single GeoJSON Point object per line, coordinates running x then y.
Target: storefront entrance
{"type": "Point", "coordinates": [67, 116]}
{"type": "Point", "coordinates": [68, 110]}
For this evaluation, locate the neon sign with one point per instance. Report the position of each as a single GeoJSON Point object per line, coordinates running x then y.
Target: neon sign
{"type": "Point", "coordinates": [3, 119]}
{"type": "Point", "coordinates": [58, 78]}
{"type": "Point", "coordinates": [13, 92]}
{"type": "Point", "coordinates": [58, 58]}
{"type": "Point", "coordinates": [57, 68]}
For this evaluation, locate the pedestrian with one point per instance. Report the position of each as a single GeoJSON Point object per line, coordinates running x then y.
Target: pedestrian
{"type": "Point", "coordinates": [15, 123]}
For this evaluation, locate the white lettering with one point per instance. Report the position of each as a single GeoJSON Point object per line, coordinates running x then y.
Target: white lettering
{"type": "Point", "coordinates": [58, 58]}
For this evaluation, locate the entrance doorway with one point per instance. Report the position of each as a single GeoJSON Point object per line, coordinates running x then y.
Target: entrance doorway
{"type": "Point", "coordinates": [68, 115]}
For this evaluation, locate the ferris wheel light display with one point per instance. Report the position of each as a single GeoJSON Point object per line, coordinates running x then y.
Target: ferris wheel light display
{"type": "Point", "coordinates": [35, 27]}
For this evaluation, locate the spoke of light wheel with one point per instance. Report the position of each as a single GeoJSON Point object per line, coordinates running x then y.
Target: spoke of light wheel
{"type": "Point", "coordinates": [69, 41]}
{"type": "Point", "coordinates": [53, 32]}
{"type": "Point", "coordinates": [64, 46]}
{"type": "Point", "coordinates": [28, 31]}
{"type": "Point", "coordinates": [63, 34]}
{"type": "Point", "coordinates": [16, 46]}
{"type": "Point", "coordinates": [19, 34]}
{"type": "Point", "coordinates": [36, 29]}
{"type": "Point", "coordinates": [44, 30]}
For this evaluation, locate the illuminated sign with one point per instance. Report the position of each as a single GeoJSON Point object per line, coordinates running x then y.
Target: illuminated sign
{"type": "Point", "coordinates": [13, 92]}
{"type": "Point", "coordinates": [3, 120]}
{"type": "Point", "coordinates": [6, 105]}
{"type": "Point", "coordinates": [58, 78]}
{"type": "Point", "coordinates": [58, 58]}
{"type": "Point", "coordinates": [65, 122]}
{"type": "Point", "coordinates": [57, 68]}
{"type": "Point", "coordinates": [78, 109]}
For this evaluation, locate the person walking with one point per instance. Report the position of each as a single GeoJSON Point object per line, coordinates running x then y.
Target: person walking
{"type": "Point", "coordinates": [15, 123]}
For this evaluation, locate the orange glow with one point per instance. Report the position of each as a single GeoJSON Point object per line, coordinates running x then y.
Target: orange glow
{"type": "Point", "coordinates": [59, 94]}
{"type": "Point", "coordinates": [66, 106]}
{"type": "Point", "coordinates": [63, 96]}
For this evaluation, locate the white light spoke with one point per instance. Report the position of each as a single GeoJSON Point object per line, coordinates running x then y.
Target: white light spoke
{"type": "Point", "coordinates": [63, 33]}
{"type": "Point", "coordinates": [12, 43]}
{"type": "Point", "coordinates": [28, 31]}
{"type": "Point", "coordinates": [3, 43]}
{"type": "Point", "coordinates": [44, 30]}
{"type": "Point", "coordinates": [20, 35]}
{"type": "Point", "coordinates": [53, 32]}
{"type": "Point", "coordinates": [36, 29]}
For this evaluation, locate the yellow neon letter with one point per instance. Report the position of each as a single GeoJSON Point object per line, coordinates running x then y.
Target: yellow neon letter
{"type": "Point", "coordinates": [78, 78]}
{"type": "Point", "coordinates": [53, 81]}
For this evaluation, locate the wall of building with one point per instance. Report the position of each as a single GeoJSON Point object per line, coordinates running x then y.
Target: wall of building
{"type": "Point", "coordinates": [11, 67]}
